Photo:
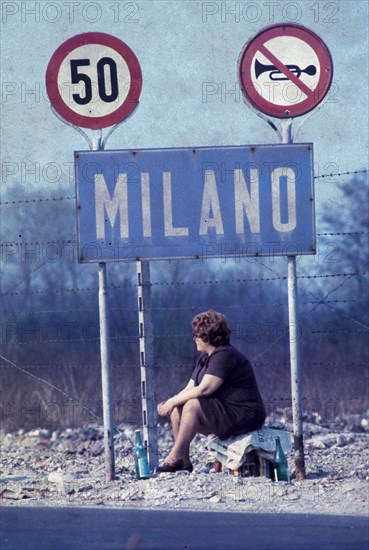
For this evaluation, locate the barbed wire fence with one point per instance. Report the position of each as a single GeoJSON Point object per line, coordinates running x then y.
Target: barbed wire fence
{"type": "Point", "coordinates": [311, 303]}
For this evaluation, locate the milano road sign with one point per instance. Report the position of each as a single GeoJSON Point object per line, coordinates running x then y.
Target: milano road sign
{"type": "Point", "coordinates": [195, 202]}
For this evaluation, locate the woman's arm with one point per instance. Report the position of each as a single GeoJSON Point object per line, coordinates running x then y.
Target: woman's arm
{"type": "Point", "coordinates": [190, 385]}
{"type": "Point", "coordinates": [163, 410]}
{"type": "Point", "coordinates": [208, 385]}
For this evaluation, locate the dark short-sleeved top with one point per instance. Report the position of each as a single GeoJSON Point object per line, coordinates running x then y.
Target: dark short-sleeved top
{"type": "Point", "coordinates": [236, 407]}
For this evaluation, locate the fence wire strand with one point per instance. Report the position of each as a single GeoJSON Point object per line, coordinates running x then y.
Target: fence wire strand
{"type": "Point", "coordinates": [179, 283]}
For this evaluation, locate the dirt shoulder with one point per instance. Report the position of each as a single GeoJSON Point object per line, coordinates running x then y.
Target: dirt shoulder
{"type": "Point", "coordinates": [66, 468]}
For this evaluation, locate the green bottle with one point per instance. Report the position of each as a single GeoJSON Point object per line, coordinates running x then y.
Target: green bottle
{"type": "Point", "coordinates": [141, 462]}
{"type": "Point", "coordinates": [280, 463]}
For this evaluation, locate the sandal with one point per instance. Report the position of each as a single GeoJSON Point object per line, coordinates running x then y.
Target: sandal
{"type": "Point", "coordinates": [175, 467]}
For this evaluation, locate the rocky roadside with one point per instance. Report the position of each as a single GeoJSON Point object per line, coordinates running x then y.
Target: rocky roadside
{"type": "Point", "coordinates": [67, 468]}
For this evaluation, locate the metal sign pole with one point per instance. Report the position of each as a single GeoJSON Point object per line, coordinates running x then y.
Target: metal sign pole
{"type": "Point", "coordinates": [149, 415]}
{"type": "Point", "coordinates": [106, 376]}
{"type": "Point", "coordinates": [105, 356]}
{"type": "Point", "coordinates": [295, 369]}
{"type": "Point", "coordinates": [96, 113]}
{"type": "Point", "coordinates": [286, 137]}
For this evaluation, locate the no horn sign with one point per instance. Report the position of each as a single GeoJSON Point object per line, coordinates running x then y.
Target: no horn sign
{"type": "Point", "coordinates": [195, 203]}
{"type": "Point", "coordinates": [285, 71]}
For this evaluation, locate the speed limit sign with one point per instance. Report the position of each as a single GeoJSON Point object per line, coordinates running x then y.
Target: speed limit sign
{"type": "Point", "coordinates": [94, 80]}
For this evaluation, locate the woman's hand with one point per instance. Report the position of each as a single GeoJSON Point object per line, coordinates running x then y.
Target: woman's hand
{"type": "Point", "coordinates": [165, 408]}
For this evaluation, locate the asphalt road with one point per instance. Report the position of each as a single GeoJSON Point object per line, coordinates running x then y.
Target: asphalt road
{"type": "Point", "coordinates": [104, 529]}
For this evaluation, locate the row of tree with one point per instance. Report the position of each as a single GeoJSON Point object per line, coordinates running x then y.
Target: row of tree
{"type": "Point", "coordinates": [50, 324]}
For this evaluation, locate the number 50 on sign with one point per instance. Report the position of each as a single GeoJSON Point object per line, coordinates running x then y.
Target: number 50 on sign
{"type": "Point", "coordinates": [94, 80]}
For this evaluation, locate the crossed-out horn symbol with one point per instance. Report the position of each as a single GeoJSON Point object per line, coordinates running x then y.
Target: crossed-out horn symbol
{"type": "Point", "coordinates": [261, 68]}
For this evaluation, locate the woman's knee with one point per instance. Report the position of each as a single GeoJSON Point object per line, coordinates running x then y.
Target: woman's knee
{"type": "Point", "coordinates": [192, 406]}
{"type": "Point", "coordinates": [176, 414]}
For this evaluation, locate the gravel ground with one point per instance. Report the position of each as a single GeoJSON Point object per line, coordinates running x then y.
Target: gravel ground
{"type": "Point", "coordinates": [66, 468]}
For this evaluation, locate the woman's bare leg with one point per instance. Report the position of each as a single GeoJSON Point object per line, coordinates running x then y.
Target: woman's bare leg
{"type": "Point", "coordinates": [175, 418]}
{"type": "Point", "coordinates": [187, 423]}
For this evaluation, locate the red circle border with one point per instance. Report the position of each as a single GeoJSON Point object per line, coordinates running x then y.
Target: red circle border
{"type": "Point", "coordinates": [56, 99]}
{"type": "Point", "coordinates": [294, 110]}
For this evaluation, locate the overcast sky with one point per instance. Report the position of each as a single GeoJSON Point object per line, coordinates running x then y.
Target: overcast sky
{"type": "Point", "coordinates": [188, 52]}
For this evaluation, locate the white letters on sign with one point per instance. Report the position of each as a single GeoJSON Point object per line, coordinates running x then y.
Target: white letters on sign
{"type": "Point", "coordinates": [111, 205]}
{"type": "Point", "coordinates": [210, 203]}
{"type": "Point", "coordinates": [289, 174]}
{"type": "Point", "coordinates": [246, 204]}
{"type": "Point", "coordinates": [169, 230]}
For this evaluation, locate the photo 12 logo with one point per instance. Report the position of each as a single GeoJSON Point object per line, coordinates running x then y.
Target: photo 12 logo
{"type": "Point", "coordinates": [70, 12]}
{"type": "Point", "coordinates": [269, 11]}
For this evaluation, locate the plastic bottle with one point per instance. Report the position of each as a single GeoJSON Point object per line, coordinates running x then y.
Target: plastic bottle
{"type": "Point", "coordinates": [141, 462]}
{"type": "Point", "coordinates": [280, 463]}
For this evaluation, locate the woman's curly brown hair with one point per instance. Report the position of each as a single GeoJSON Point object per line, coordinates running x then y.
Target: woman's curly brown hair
{"type": "Point", "coordinates": [212, 327]}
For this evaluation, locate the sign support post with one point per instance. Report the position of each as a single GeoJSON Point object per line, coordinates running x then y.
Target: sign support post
{"type": "Point", "coordinates": [298, 57]}
{"type": "Point", "coordinates": [286, 137]}
{"type": "Point", "coordinates": [295, 369]}
{"type": "Point", "coordinates": [106, 377]}
{"type": "Point", "coordinates": [149, 415]}
{"type": "Point", "coordinates": [106, 80]}
{"type": "Point", "coordinates": [105, 355]}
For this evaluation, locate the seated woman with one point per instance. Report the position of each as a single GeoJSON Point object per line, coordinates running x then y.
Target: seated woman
{"type": "Point", "coordinates": [221, 398]}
